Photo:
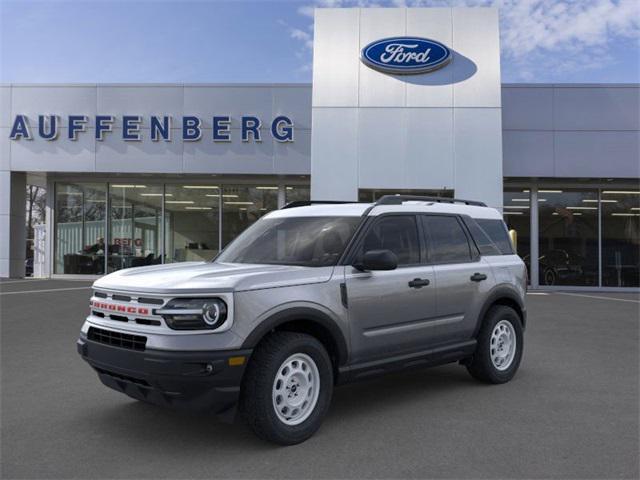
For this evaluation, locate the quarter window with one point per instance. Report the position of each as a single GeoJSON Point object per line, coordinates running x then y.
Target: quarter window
{"type": "Point", "coordinates": [497, 232]}
{"type": "Point", "coordinates": [398, 234]}
{"type": "Point", "coordinates": [446, 240]}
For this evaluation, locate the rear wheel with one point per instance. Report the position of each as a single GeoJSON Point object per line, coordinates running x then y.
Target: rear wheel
{"type": "Point", "coordinates": [287, 387]}
{"type": "Point", "coordinates": [499, 348]}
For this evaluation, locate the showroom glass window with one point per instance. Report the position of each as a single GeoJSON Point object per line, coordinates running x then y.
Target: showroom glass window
{"type": "Point", "coordinates": [517, 216]}
{"type": "Point", "coordinates": [135, 213]}
{"type": "Point", "coordinates": [620, 238]}
{"type": "Point", "coordinates": [80, 212]}
{"type": "Point", "coordinates": [370, 195]}
{"type": "Point", "coordinates": [244, 204]}
{"type": "Point", "coordinates": [192, 222]}
{"type": "Point", "coordinates": [568, 236]}
{"type": "Point", "coordinates": [295, 193]}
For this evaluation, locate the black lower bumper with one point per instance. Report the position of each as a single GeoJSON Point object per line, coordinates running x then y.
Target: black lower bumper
{"type": "Point", "coordinates": [194, 380]}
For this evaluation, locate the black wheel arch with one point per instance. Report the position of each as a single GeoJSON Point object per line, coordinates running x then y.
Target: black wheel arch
{"type": "Point", "coordinates": [507, 296]}
{"type": "Point", "coordinates": [304, 320]}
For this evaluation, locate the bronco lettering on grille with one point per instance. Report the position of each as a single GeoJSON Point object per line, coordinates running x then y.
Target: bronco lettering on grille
{"type": "Point", "coordinates": [118, 308]}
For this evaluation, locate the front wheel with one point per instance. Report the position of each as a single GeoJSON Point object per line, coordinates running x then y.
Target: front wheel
{"type": "Point", "coordinates": [499, 349]}
{"type": "Point", "coordinates": [287, 388]}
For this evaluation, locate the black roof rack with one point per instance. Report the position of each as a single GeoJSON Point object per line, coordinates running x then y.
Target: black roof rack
{"type": "Point", "coordinates": [306, 203]}
{"type": "Point", "coordinates": [399, 199]}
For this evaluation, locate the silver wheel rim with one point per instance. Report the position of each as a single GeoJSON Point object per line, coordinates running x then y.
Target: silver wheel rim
{"type": "Point", "coordinates": [295, 389]}
{"type": "Point", "coordinates": [503, 345]}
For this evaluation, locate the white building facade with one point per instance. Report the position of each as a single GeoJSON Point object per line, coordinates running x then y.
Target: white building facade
{"type": "Point", "coordinates": [143, 174]}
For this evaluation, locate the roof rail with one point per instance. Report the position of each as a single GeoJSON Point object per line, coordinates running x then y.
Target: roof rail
{"type": "Point", "coordinates": [399, 199]}
{"type": "Point", "coordinates": [306, 203]}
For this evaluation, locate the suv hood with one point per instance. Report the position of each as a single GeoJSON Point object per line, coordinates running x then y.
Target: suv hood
{"type": "Point", "coordinates": [204, 277]}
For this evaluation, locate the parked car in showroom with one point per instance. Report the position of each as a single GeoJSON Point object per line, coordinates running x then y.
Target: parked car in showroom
{"type": "Point", "coordinates": [309, 297]}
{"type": "Point", "coordinates": [561, 267]}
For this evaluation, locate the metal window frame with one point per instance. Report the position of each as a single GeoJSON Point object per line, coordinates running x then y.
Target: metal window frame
{"type": "Point", "coordinates": [534, 253]}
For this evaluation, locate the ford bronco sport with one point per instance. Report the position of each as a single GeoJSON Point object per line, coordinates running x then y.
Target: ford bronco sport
{"type": "Point", "coordinates": [311, 296]}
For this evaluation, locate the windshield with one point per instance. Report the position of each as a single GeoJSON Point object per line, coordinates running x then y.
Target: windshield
{"type": "Point", "coordinates": [304, 241]}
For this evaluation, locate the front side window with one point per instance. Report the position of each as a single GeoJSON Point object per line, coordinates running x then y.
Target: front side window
{"type": "Point", "coordinates": [303, 241]}
{"type": "Point", "coordinates": [398, 234]}
{"type": "Point", "coordinates": [446, 240]}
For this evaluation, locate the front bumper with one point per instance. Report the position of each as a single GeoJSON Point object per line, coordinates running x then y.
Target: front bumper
{"type": "Point", "coordinates": [203, 380]}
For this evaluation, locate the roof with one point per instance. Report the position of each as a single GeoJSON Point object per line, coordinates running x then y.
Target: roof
{"type": "Point", "coordinates": [357, 209]}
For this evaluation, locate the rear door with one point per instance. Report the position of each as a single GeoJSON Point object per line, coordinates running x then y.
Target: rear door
{"type": "Point", "coordinates": [462, 278]}
{"type": "Point", "coordinates": [389, 311]}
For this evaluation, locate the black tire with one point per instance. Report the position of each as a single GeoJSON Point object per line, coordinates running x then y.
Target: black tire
{"type": "Point", "coordinates": [256, 403]}
{"type": "Point", "coordinates": [480, 366]}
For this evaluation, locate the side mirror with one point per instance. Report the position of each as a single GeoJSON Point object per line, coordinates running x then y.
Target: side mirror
{"type": "Point", "coordinates": [377, 260]}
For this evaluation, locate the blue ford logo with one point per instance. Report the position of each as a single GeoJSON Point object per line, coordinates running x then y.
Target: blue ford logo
{"type": "Point", "coordinates": [405, 55]}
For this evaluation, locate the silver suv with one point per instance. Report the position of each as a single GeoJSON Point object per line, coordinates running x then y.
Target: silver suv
{"type": "Point", "coordinates": [311, 296]}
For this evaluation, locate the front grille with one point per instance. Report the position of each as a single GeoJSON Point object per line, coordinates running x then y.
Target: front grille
{"type": "Point", "coordinates": [121, 298]}
{"type": "Point", "coordinates": [117, 339]}
{"type": "Point", "coordinates": [152, 301]}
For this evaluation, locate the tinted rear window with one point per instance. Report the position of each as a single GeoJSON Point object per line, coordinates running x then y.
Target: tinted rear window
{"type": "Point", "coordinates": [446, 240]}
{"type": "Point", "coordinates": [496, 230]}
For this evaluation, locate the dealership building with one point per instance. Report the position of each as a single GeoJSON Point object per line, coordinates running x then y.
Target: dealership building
{"type": "Point", "coordinates": [141, 174]}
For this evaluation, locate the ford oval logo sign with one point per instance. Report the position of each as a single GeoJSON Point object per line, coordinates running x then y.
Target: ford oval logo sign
{"type": "Point", "coordinates": [405, 55]}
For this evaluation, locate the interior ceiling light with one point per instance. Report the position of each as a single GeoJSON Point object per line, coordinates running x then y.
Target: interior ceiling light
{"type": "Point", "coordinates": [201, 187]}
{"type": "Point", "coordinates": [177, 202]}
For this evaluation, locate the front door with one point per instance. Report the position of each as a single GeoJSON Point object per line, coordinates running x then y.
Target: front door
{"type": "Point", "coordinates": [389, 311]}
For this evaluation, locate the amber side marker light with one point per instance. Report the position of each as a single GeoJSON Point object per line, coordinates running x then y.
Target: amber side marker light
{"type": "Point", "coordinates": [236, 361]}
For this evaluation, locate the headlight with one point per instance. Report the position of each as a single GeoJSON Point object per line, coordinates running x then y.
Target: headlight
{"type": "Point", "coordinates": [194, 313]}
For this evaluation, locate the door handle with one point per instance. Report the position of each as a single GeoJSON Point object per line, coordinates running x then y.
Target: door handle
{"type": "Point", "coordinates": [419, 282]}
{"type": "Point", "coordinates": [478, 277]}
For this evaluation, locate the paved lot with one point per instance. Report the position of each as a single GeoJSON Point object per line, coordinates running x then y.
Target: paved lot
{"type": "Point", "coordinates": [571, 412]}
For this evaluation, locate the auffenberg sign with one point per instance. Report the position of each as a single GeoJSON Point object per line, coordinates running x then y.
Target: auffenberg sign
{"type": "Point", "coordinates": [159, 128]}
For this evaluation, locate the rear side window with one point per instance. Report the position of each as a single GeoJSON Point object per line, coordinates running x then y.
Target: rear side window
{"type": "Point", "coordinates": [396, 233]}
{"type": "Point", "coordinates": [497, 232]}
{"type": "Point", "coordinates": [446, 240]}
